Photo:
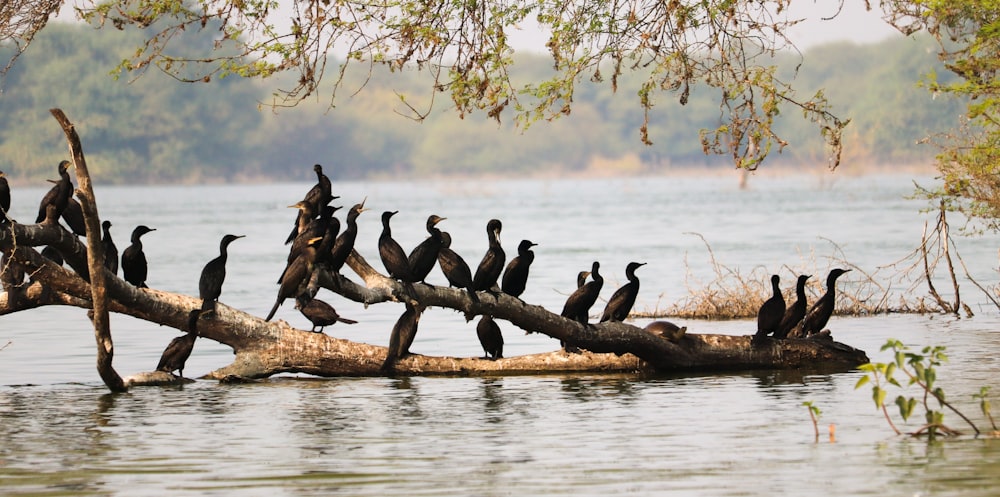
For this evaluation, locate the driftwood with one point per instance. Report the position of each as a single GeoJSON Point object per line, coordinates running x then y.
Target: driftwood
{"type": "Point", "coordinates": [264, 348]}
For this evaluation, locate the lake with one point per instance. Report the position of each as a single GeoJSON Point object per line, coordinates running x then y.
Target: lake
{"type": "Point", "coordinates": [744, 434]}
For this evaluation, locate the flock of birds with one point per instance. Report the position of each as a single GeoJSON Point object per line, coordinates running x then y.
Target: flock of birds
{"type": "Point", "coordinates": [316, 239]}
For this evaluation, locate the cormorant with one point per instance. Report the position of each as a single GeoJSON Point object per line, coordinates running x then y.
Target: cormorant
{"type": "Point", "coordinates": [179, 349]}
{"type": "Point", "coordinates": [319, 227]}
{"type": "Point", "coordinates": [4, 198]}
{"type": "Point", "coordinates": [623, 299]}
{"type": "Point", "coordinates": [489, 269]}
{"type": "Point", "coordinates": [319, 313]}
{"type": "Point", "coordinates": [73, 215]}
{"type": "Point", "coordinates": [110, 250]}
{"type": "Point", "coordinates": [297, 276]}
{"type": "Point", "coordinates": [318, 196]}
{"type": "Point", "coordinates": [134, 259]}
{"type": "Point", "coordinates": [818, 315]}
{"type": "Point", "coordinates": [771, 311]}
{"type": "Point", "coordinates": [425, 254]}
{"type": "Point", "coordinates": [345, 242]}
{"type": "Point", "coordinates": [515, 276]}
{"type": "Point", "coordinates": [305, 216]}
{"type": "Point", "coordinates": [403, 333]}
{"type": "Point", "coordinates": [454, 267]}
{"type": "Point", "coordinates": [667, 330]}
{"type": "Point", "coordinates": [392, 255]}
{"type": "Point", "coordinates": [578, 304]}
{"type": "Point", "coordinates": [490, 337]}
{"type": "Point", "coordinates": [50, 253]}
{"type": "Point", "coordinates": [59, 194]}
{"type": "Point", "coordinates": [797, 311]}
{"type": "Point", "coordinates": [213, 274]}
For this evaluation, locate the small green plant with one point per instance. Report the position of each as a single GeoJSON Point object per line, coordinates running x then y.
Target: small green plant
{"type": "Point", "coordinates": [814, 414]}
{"type": "Point", "coordinates": [921, 370]}
{"type": "Point", "coordinates": [984, 405]}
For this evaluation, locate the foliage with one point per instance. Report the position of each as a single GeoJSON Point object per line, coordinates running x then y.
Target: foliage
{"type": "Point", "coordinates": [921, 370]}
{"type": "Point", "coordinates": [814, 414]}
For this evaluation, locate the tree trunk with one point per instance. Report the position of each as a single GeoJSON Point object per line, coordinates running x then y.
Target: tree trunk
{"type": "Point", "coordinates": [266, 348]}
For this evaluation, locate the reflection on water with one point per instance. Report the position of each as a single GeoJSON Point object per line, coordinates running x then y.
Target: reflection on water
{"type": "Point", "coordinates": [744, 434]}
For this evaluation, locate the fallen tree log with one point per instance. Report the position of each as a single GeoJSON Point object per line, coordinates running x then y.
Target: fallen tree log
{"type": "Point", "coordinates": [263, 348]}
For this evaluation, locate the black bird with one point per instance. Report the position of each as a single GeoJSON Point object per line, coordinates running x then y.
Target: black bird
{"type": "Point", "coordinates": [317, 197]}
{"type": "Point", "coordinates": [344, 244]}
{"type": "Point", "coordinates": [4, 198]}
{"type": "Point", "coordinates": [623, 299]}
{"type": "Point", "coordinates": [110, 250]}
{"type": "Point", "coordinates": [305, 216]}
{"type": "Point", "coordinates": [490, 337]}
{"type": "Point", "coordinates": [297, 276]}
{"type": "Point", "coordinates": [318, 227]}
{"type": "Point", "coordinates": [50, 253]}
{"type": "Point", "coordinates": [489, 269]}
{"type": "Point", "coordinates": [213, 274]}
{"type": "Point", "coordinates": [578, 304]}
{"type": "Point", "coordinates": [134, 259]}
{"type": "Point", "coordinates": [822, 309]}
{"type": "Point", "coordinates": [454, 266]}
{"type": "Point", "coordinates": [515, 276]}
{"type": "Point", "coordinates": [581, 278]}
{"type": "Point", "coordinates": [179, 349]}
{"type": "Point", "coordinates": [59, 194]}
{"type": "Point", "coordinates": [403, 333]}
{"type": "Point", "coordinates": [795, 312]}
{"type": "Point", "coordinates": [73, 215]}
{"type": "Point", "coordinates": [771, 311]}
{"type": "Point", "coordinates": [319, 313]}
{"type": "Point", "coordinates": [392, 255]}
{"type": "Point", "coordinates": [423, 257]}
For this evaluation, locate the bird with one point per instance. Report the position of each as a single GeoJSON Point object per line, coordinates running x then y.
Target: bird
{"type": "Point", "coordinates": [489, 269]}
{"type": "Point", "coordinates": [110, 250]}
{"type": "Point", "coordinates": [666, 330]}
{"type": "Point", "coordinates": [392, 255]}
{"type": "Point", "coordinates": [179, 349]}
{"type": "Point", "coordinates": [296, 279]}
{"type": "Point", "coordinates": [53, 255]}
{"type": "Point", "coordinates": [318, 227]}
{"type": "Point", "coordinates": [403, 333]}
{"type": "Point", "coordinates": [423, 257]}
{"type": "Point", "coordinates": [134, 267]}
{"type": "Point", "coordinates": [4, 198]}
{"type": "Point", "coordinates": [305, 215]}
{"type": "Point", "coordinates": [59, 194]}
{"type": "Point", "coordinates": [213, 274]}
{"type": "Point", "coordinates": [490, 337]}
{"type": "Point", "coordinates": [820, 312]}
{"type": "Point", "coordinates": [578, 304]}
{"type": "Point", "coordinates": [454, 267]}
{"type": "Point", "coordinates": [73, 215]}
{"type": "Point", "coordinates": [317, 197]}
{"type": "Point", "coordinates": [515, 276]}
{"type": "Point", "coordinates": [794, 313]}
{"type": "Point", "coordinates": [771, 311]}
{"type": "Point", "coordinates": [621, 302]}
{"type": "Point", "coordinates": [344, 244]}
{"type": "Point", "coordinates": [319, 313]}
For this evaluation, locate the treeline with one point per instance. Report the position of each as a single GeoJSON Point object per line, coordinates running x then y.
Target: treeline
{"type": "Point", "coordinates": [155, 129]}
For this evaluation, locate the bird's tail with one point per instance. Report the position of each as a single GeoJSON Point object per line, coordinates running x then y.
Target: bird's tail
{"type": "Point", "coordinates": [273, 310]}
{"type": "Point", "coordinates": [346, 321]}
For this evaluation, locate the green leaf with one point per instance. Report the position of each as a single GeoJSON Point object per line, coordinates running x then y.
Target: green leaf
{"type": "Point", "coordinates": [862, 382]}
{"type": "Point", "coordinates": [878, 395]}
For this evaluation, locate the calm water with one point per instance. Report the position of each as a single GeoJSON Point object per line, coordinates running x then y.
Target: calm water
{"type": "Point", "coordinates": [736, 434]}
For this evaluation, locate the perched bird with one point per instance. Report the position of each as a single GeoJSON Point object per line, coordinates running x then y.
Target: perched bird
{"type": "Point", "coordinates": [59, 194]}
{"type": "Point", "coordinates": [771, 311]}
{"type": "Point", "coordinates": [578, 304]}
{"type": "Point", "coordinates": [403, 333]}
{"type": "Point", "coordinates": [667, 330]}
{"type": "Point", "coordinates": [515, 276]}
{"type": "Point", "coordinates": [179, 349]}
{"type": "Point", "coordinates": [296, 279]}
{"type": "Point", "coordinates": [820, 312]}
{"type": "Point", "coordinates": [425, 254]}
{"type": "Point", "coordinates": [623, 299]}
{"type": "Point", "coordinates": [490, 337]}
{"type": "Point", "coordinates": [4, 198]}
{"type": "Point", "coordinates": [794, 313]}
{"type": "Point", "coordinates": [489, 269]}
{"type": "Point", "coordinates": [50, 253]}
{"type": "Point", "coordinates": [213, 274]}
{"type": "Point", "coordinates": [319, 313]}
{"type": "Point", "coordinates": [317, 197]}
{"type": "Point", "coordinates": [134, 267]}
{"type": "Point", "coordinates": [73, 215]}
{"type": "Point", "coordinates": [306, 214]}
{"type": "Point", "coordinates": [454, 267]}
{"type": "Point", "coordinates": [392, 255]}
{"type": "Point", "coordinates": [344, 244]}
{"type": "Point", "coordinates": [110, 250]}
{"type": "Point", "coordinates": [318, 227]}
